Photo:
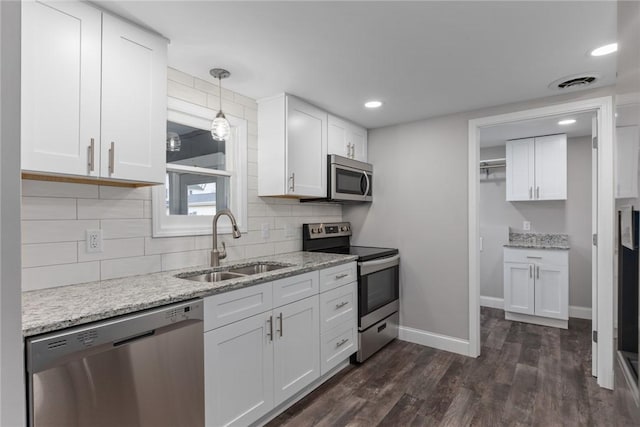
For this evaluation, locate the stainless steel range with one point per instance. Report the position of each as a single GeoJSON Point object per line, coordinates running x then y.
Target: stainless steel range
{"type": "Point", "coordinates": [378, 283]}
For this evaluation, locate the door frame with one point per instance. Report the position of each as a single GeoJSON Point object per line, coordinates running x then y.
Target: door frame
{"type": "Point", "coordinates": [603, 288]}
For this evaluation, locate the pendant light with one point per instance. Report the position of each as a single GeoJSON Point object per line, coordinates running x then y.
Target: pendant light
{"type": "Point", "coordinates": [173, 141]}
{"type": "Point", "coordinates": [220, 128]}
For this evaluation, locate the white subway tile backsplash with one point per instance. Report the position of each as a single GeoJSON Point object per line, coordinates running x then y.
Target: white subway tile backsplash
{"type": "Point", "coordinates": [169, 244]}
{"type": "Point", "coordinates": [123, 228]}
{"type": "Point", "coordinates": [41, 254]}
{"type": "Point", "coordinates": [110, 209]}
{"type": "Point", "coordinates": [178, 260]}
{"type": "Point", "coordinates": [33, 188]}
{"type": "Point", "coordinates": [34, 208]}
{"type": "Point", "coordinates": [114, 248]}
{"type": "Point", "coordinates": [121, 193]}
{"type": "Point", "coordinates": [59, 275]}
{"type": "Point", "coordinates": [56, 216]}
{"type": "Point", "coordinates": [123, 267]}
{"type": "Point", "coordinates": [56, 231]}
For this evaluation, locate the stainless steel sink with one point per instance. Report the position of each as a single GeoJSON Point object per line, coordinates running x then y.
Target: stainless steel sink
{"type": "Point", "coordinates": [215, 276]}
{"type": "Point", "coordinates": [257, 268]}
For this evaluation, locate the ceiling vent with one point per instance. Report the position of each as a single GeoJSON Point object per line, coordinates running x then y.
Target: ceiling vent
{"type": "Point", "coordinates": [577, 81]}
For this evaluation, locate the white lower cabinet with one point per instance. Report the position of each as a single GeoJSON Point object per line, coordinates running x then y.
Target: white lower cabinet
{"type": "Point", "coordinates": [254, 364]}
{"type": "Point", "coordinates": [536, 283]}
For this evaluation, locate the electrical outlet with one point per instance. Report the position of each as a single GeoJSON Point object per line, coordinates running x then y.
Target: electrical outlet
{"type": "Point", "coordinates": [526, 225]}
{"type": "Point", "coordinates": [265, 231]}
{"type": "Point", "coordinates": [94, 241]}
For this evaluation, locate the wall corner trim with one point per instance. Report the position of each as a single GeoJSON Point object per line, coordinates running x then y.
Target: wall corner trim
{"type": "Point", "coordinates": [430, 339]}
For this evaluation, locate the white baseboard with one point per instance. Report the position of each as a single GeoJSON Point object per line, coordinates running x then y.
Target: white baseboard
{"type": "Point", "coordinates": [430, 339]}
{"type": "Point", "coordinates": [574, 310]}
{"type": "Point", "coordinates": [492, 302]}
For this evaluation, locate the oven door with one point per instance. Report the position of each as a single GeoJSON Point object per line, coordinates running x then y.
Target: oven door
{"type": "Point", "coordinates": [378, 289]}
{"type": "Point", "coordinates": [349, 183]}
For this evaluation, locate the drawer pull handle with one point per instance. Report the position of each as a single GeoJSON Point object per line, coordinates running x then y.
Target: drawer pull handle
{"type": "Point", "coordinates": [341, 304]}
{"type": "Point", "coordinates": [341, 276]}
{"type": "Point", "coordinates": [342, 342]}
{"type": "Point", "coordinates": [534, 257]}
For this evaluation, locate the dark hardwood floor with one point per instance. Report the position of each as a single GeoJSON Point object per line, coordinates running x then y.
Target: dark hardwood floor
{"type": "Point", "coordinates": [527, 375]}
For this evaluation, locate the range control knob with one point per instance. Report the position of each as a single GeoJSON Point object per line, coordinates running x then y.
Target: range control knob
{"type": "Point", "coordinates": [314, 231]}
{"type": "Point", "coordinates": [344, 228]}
{"type": "Point", "coordinates": [320, 230]}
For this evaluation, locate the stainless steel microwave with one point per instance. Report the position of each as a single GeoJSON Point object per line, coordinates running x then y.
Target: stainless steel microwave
{"type": "Point", "coordinates": [349, 180]}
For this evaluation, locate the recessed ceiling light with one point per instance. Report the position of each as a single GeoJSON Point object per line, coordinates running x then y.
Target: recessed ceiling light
{"type": "Point", "coordinates": [605, 50]}
{"type": "Point", "coordinates": [566, 122]}
{"type": "Point", "coordinates": [373, 104]}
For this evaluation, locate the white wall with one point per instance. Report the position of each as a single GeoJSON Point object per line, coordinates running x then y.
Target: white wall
{"type": "Point", "coordinates": [12, 391]}
{"type": "Point", "coordinates": [572, 217]}
{"type": "Point", "coordinates": [420, 206]}
{"type": "Point", "coordinates": [56, 215]}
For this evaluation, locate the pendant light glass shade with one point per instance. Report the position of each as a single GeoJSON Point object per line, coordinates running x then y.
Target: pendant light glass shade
{"type": "Point", "coordinates": [220, 128]}
{"type": "Point", "coordinates": [173, 141]}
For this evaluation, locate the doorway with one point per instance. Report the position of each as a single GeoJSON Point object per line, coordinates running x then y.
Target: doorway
{"type": "Point", "coordinates": [602, 224]}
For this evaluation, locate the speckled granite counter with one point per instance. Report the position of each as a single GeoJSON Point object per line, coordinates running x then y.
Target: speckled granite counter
{"type": "Point", "coordinates": [538, 241]}
{"type": "Point", "coordinates": [58, 308]}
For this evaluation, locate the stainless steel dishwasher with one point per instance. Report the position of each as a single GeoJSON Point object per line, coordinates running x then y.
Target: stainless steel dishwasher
{"type": "Point", "coordinates": [145, 369]}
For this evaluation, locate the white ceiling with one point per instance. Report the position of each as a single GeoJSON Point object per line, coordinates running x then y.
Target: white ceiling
{"type": "Point", "coordinates": [497, 135]}
{"type": "Point", "coordinates": [422, 59]}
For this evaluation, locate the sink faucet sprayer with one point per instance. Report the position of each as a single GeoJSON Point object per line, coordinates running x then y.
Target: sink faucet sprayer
{"type": "Point", "coordinates": [217, 255]}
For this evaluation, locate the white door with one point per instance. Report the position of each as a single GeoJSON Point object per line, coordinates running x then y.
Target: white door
{"type": "Point", "coordinates": [519, 287]}
{"type": "Point", "coordinates": [297, 347]}
{"type": "Point", "coordinates": [239, 372]}
{"type": "Point", "coordinates": [306, 149]}
{"type": "Point", "coordinates": [520, 169]}
{"type": "Point", "coordinates": [594, 248]}
{"type": "Point", "coordinates": [551, 167]}
{"type": "Point", "coordinates": [552, 291]}
{"type": "Point", "coordinates": [134, 103]}
{"type": "Point", "coordinates": [60, 87]}
{"type": "Point", "coordinates": [337, 137]}
{"type": "Point", "coordinates": [358, 139]}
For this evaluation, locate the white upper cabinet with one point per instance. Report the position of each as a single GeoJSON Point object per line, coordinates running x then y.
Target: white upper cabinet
{"type": "Point", "coordinates": [94, 94]}
{"type": "Point", "coordinates": [292, 148]}
{"type": "Point", "coordinates": [627, 145]}
{"type": "Point", "coordinates": [537, 168]}
{"type": "Point", "coordinates": [60, 87]}
{"type": "Point", "coordinates": [346, 139]}
{"type": "Point", "coordinates": [134, 102]}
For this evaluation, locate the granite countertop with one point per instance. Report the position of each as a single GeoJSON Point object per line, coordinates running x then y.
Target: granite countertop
{"type": "Point", "coordinates": [538, 241]}
{"type": "Point", "coordinates": [51, 309]}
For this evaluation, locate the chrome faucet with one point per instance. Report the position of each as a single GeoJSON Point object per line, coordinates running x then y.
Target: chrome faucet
{"type": "Point", "coordinates": [217, 255]}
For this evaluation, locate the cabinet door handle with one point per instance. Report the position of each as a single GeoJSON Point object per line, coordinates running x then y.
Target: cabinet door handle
{"type": "Point", "coordinates": [353, 151]}
{"type": "Point", "coordinates": [280, 324]}
{"type": "Point", "coordinates": [270, 333]}
{"type": "Point", "coordinates": [112, 151]}
{"type": "Point", "coordinates": [342, 342]}
{"type": "Point", "coordinates": [530, 193]}
{"type": "Point", "coordinates": [537, 272]}
{"type": "Point", "coordinates": [537, 192]}
{"type": "Point", "coordinates": [341, 276]}
{"type": "Point", "coordinates": [530, 271]}
{"type": "Point", "coordinates": [292, 181]}
{"type": "Point", "coordinates": [534, 257]}
{"type": "Point", "coordinates": [341, 304]}
{"type": "Point", "coordinates": [92, 148]}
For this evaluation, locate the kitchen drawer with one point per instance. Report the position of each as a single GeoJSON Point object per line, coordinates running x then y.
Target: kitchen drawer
{"type": "Point", "coordinates": [337, 345]}
{"type": "Point", "coordinates": [339, 275]}
{"type": "Point", "coordinates": [541, 256]}
{"type": "Point", "coordinates": [338, 306]}
{"type": "Point", "coordinates": [295, 288]}
{"type": "Point", "coordinates": [229, 307]}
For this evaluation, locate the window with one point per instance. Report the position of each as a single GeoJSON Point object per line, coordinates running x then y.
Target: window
{"type": "Point", "coordinates": [203, 175]}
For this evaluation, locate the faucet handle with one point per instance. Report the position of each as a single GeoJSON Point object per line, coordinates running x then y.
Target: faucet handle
{"type": "Point", "coordinates": [223, 253]}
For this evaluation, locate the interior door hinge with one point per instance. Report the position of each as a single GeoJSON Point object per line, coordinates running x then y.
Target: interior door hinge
{"type": "Point", "coordinates": [595, 142]}
{"type": "Point", "coordinates": [594, 336]}
{"type": "Point", "coordinates": [595, 240]}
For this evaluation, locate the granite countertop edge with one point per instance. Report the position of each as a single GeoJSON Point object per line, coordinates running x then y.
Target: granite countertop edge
{"type": "Point", "coordinates": [536, 246]}
{"type": "Point", "coordinates": [53, 309]}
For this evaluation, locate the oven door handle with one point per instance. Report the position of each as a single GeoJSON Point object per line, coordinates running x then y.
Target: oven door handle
{"type": "Point", "coordinates": [369, 267]}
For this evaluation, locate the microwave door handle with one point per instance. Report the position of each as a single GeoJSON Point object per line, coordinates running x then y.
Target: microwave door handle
{"type": "Point", "coordinates": [366, 192]}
